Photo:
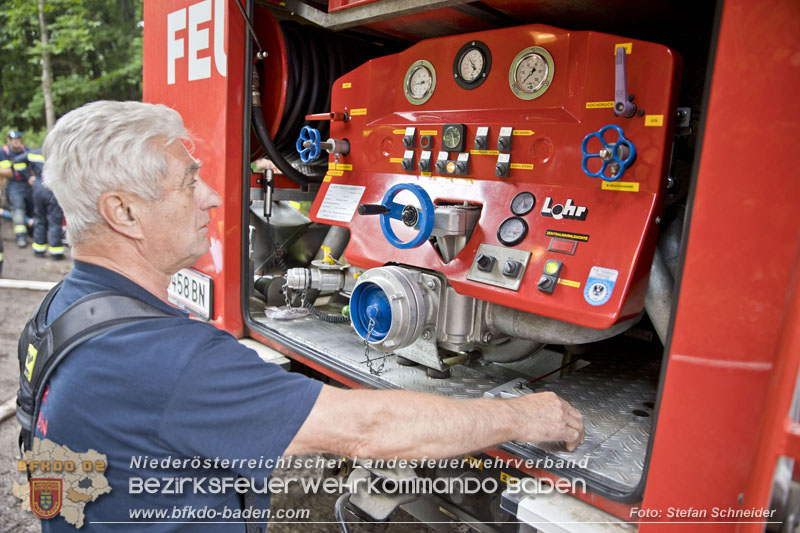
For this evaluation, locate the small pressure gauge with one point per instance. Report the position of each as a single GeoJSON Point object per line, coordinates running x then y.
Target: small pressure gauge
{"type": "Point", "coordinates": [472, 64]}
{"type": "Point", "coordinates": [512, 231]}
{"type": "Point", "coordinates": [420, 82]}
{"type": "Point", "coordinates": [523, 203]}
{"type": "Point", "coordinates": [454, 137]}
{"type": "Point", "coordinates": [531, 73]}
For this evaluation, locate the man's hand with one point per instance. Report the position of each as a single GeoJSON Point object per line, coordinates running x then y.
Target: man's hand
{"type": "Point", "coordinates": [410, 425]}
{"type": "Point", "coordinates": [543, 416]}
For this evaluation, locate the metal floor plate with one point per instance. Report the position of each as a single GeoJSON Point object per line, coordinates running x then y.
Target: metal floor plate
{"type": "Point", "coordinates": [616, 397]}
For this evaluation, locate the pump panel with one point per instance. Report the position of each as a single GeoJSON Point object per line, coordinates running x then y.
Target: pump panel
{"type": "Point", "coordinates": [578, 121]}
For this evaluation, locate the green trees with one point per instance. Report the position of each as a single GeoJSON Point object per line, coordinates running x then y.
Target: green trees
{"type": "Point", "coordinates": [95, 52]}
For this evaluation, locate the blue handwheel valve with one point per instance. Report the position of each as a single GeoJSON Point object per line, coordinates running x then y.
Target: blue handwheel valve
{"type": "Point", "coordinates": [420, 217]}
{"type": "Point", "coordinates": [308, 144]}
{"type": "Point", "coordinates": [616, 157]}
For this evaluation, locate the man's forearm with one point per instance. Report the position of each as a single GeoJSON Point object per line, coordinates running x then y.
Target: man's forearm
{"type": "Point", "coordinates": [387, 424]}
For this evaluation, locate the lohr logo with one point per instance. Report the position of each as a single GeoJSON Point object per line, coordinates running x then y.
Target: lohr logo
{"type": "Point", "coordinates": [46, 497]}
{"type": "Point", "coordinates": [568, 210]}
{"type": "Point", "coordinates": [190, 19]}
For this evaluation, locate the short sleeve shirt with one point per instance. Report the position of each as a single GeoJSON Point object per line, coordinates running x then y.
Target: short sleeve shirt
{"type": "Point", "coordinates": [168, 388]}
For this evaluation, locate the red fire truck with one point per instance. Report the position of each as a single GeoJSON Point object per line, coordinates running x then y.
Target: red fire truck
{"type": "Point", "coordinates": [498, 197]}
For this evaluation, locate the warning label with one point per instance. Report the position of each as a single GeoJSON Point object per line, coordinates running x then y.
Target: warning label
{"type": "Point", "coordinates": [340, 202]}
{"type": "Point", "coordinates": [580, 237]}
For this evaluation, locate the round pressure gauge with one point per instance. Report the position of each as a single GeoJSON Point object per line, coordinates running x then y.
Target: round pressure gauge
{"type": "Point", "coordinates": [531, 73]}
{"type": "Point", "coordinates": [523, 203]}
{"type": "Point", "coordinates": [471, 64]}
{"type": "Point", "coordinates": [512, 231]}
{"type": "Point", "coordinates": [420, 82]}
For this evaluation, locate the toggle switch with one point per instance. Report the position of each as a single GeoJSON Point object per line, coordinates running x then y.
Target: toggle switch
{"type": "Point", "coordinates": [482, 138]}
{"type": "Point", "coordinates": [409, 137]}
{"type": "Point", "coordinates": [503, 166]}
{"type": "Point", "coordinates": [504, 139]}
{"type": "Point", "coordinates": [512, 268]}
{"type": "Point", "coordinates": [550, 272]}
{"type": "Point", "coordinates": [408, 160]}
{"type": "Point", "coordinates": [425, 161]}
{"type": "Point", "coordinates": [485, 262]}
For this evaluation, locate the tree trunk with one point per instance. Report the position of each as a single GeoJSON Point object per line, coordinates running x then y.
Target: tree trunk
{"type": "Point", "coordinates": [47, 72]}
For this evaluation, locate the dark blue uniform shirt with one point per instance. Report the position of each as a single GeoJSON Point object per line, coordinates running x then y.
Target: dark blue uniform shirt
{"type": "Point", "coordinates": [167, 387]}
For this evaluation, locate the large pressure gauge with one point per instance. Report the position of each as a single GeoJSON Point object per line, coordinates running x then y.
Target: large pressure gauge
{"type": "Point", "coordinates": [531, 73]}
{"type": "Point", "coordinates": [512, 231]}
{"type": "Point", "coordinates": [472, 64]}
{"type": "Point", "coordinates": [420, 82]}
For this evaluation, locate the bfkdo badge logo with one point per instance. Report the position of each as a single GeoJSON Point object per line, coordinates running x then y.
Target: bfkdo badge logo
{"type": "Point", "coordinates": [46, 497]}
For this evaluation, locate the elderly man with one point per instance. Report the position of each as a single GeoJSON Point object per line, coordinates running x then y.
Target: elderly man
{"type": "Point", "coordinates": [137, 211]}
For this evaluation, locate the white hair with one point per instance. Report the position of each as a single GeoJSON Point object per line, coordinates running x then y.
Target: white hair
{"type": "Point", "coordinates": [107, 146]}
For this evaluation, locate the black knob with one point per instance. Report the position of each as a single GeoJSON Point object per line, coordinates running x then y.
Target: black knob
{"type": "Point", "coordinates": [440, 166]}
{"type": "Point", "coordinates": [406, 164]}
{"type": "Point", "coordinates": [461, 167]}
{"type": "Point", "coordinates": [545, 284]}
{"type": "Point", "coordinates": [372, 209]}
{"type": "Point", "coordinates": [501, 170]}
{"type": "Point", "coordinates": [408, 141]}
{"type": "Point", "coordinates": [424, 165]}
{"type": "Point", "coordinates": [511, 268]}
{"type": "Point", "coordinates": [503, 143]}
{"type": "Point", "coordinates": [480, 143]}
{"type": "Point", "coordinates": [409, 216]}
{"type": "Point", "coordinates": [485, 262]}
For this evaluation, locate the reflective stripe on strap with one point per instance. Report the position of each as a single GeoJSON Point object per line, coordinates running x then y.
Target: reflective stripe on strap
{"type": "Point", "coordinates": [20, 228]}
{"type": "Point", "coordinates": [1, 256]}
{"type": "Point", "coordinates": [39, 247]}
{"type": "Point", "coordinates": [36, 157]}
{"type": "Point", "coordinates": [20, 166]}
{"type": "Point", "coordinates": [58, 250]}
{"type": "Point", "coordinates": [5, 163]}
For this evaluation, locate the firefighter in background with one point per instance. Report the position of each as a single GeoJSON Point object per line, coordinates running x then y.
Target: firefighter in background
{"type": "Point", "coordinates": [18, 191]}
{"type": "Point", "coordinates": [48, 214]}
{"type": "Point", "coordinates": [5, 173]}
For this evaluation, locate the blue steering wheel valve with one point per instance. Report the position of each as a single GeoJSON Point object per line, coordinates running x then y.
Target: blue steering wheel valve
{"type": "Point", "coordinates": [421, 218]}
{"type": "Point", "coordinates": [308, 144]}
{"type": "Point", "coordinates": [615, 157]}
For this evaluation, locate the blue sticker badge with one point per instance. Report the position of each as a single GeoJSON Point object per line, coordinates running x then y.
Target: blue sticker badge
{"type": "Point", "coordinates": [599, 285]}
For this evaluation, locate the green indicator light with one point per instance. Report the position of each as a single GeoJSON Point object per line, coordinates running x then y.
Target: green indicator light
{"type": "Point", "coordinates": [551, 267]}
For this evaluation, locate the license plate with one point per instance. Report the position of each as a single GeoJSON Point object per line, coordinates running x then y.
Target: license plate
{"type": "Point", "coordinates": [193, 292]}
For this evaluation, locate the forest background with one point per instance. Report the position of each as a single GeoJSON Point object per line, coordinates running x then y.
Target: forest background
{"type": "Point", "coordinates": [59, 54]}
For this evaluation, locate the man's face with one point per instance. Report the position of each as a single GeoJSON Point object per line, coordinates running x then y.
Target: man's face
{"type": "Point", "coordinates": [175, 226]}
{"type": "Point", "coordinates": [15, 144]}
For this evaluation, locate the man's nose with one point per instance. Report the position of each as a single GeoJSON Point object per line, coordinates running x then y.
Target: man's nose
{"type": "Point", "coordinates": [209, 199]}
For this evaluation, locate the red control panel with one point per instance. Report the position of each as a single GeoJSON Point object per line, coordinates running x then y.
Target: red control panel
{"type": "Point", "coordinates": [561, 140]}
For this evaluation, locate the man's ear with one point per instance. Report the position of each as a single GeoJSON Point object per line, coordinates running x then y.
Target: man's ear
{"type": "Point", "coordinates": [121, 212]}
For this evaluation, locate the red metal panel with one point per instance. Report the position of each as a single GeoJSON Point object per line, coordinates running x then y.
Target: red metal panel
{"type": "Point", "coordinates": [211, 107]}
{"type": "Point", "coordinates": [739, 262]}
{"type": "Point", "coordinates": [620, 225]}
{"type": "Point", "coordinates": [430, 24]}
{"type": "Point", "coordinates": [337, 5]}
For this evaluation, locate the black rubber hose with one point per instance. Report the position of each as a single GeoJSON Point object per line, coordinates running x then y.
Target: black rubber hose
{"type": "Point", "coordinates": [326, 317]}
{"type": "Point", "coordinates": [272, 153]}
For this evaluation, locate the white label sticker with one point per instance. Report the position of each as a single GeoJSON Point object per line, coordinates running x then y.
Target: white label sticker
{"type": "Point", "coordinates": [483, 131]}
{"type": "Point", "coordinates": [340, 202]}
{"type": "Point", "coordinates": [408, 154]}
{"type": "Point", "coordinates": [505, 132]}
{"type": "Point", "coordinates": [410, 130]}
{"type": "Point", "coordinates": [504, 158]}
{"type": "Point", "coordinates": [463, 156]}
{"type": "Point", "coordinates": [442, 156]}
